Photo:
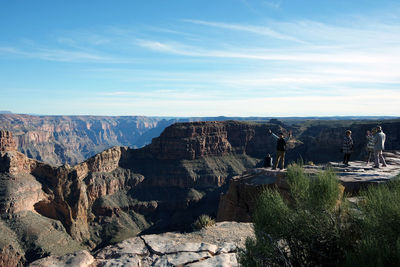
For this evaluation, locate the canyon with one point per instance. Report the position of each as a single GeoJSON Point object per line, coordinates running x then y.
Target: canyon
{"type": "Point", "coordinates": [121, 192]}
{"type": "Point", "coordinates": [72, 139]}
{"type": "Point", "coordinates": [59, 140]}
{"type": "Point", "coordinates": [164, 186]}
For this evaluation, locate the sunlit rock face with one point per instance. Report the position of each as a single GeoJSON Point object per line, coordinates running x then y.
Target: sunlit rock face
{"type": "Point", "coordinates": [7, 142]}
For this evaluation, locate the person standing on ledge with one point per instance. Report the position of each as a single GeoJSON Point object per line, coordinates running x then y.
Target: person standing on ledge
{"type": "Point", "coordinates": [347, 147]}
{"type": "Point", "coordinates": [370, 144]}
{"type": "Point", "coordinates": [280, 148]}
{"type": "Point", "coordinates": [380, 139]}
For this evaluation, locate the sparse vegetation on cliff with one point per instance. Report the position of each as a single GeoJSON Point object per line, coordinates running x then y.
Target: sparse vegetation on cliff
{"type": "Point", "coordinates": [203, 221]}
{"type": "Point", "coordinates": [316, 226]}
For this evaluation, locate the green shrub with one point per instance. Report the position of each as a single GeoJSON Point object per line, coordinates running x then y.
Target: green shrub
{"type": "Point", "coordinates": [380, 227]}
{"type": "Point", "coordinates": [317, 227]}
{"type": "Point", "coordinates": [311, 228]}
{"type": "Point", "coordinates": [203, 221]}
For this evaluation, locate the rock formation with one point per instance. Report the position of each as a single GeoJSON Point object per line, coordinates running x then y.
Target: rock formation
{"type": "Point", "coordinates": [213, 246]}
{"type": "Point", "coordinates": [239, 202]}
{"type": "Point", "coordinates": [58, 140]}
{"type": "Point", "coordinates": [120, 192]}
{"type": "Point", "coordinates": [7, 142]}
{"type": "Point", "coordinates": [72, 139]}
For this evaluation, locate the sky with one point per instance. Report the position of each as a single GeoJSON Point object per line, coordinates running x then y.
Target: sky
{"type": "Point", "coordinates": [200, 58]}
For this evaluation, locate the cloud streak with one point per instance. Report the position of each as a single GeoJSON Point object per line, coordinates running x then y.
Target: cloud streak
{"type": "Point", "coordinates": [60, 55]}
{"type": "Point", "coordinates": [258, 30]}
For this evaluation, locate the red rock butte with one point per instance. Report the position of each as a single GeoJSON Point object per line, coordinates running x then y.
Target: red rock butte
{"type": "Point", "coordinates": [7, 142]}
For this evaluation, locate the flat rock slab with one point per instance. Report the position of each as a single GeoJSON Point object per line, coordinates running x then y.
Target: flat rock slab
{"type": "Point", "coordinates": [77, 259]}
{"type": "Point", "coordinates": [129, 247]}
{"type": "Point", "coordinates": [222, 260]}
{"type": "Point", "coordinates": [216, 245]}
{"type": "Point", "coordinates": [354, 176]}
{"type": "Point", "coordinates": [182, 258]}
{"type": "Point", "coordinates": [172, 243]}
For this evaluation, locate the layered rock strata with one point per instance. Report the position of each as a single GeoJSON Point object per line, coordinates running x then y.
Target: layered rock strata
{"type": "Point", "coordinates": [7, 142]}
{"type": "Point", "coordinates": [72, 139]}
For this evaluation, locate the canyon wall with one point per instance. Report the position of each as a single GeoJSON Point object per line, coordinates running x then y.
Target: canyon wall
{"type": "Point", "coordinates": [321, 141]}
{"type": "Point", "coordinates": [165, 185]}
{"type": "Point", "coordinates": [121, 191]}
{"type": "Point", "coordinates": [72, 139]}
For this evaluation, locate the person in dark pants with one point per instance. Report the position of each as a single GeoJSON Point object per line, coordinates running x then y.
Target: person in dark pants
{"type": "Point", "coordinates": [280, 148]}
{"type": "Point", "coordinates": [370, 144]}
{"type": "Point", "coordinates": [347, 147]}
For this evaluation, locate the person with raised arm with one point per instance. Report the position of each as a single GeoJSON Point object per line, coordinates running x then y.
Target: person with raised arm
{"type": "Point", "coordinates": [280, 148]}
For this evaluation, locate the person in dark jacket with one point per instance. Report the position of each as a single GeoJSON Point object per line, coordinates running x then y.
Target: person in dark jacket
{"type": "Point", "coordinates": [280, 148]}
{"type": "Point", "coordinates": [347, 147]}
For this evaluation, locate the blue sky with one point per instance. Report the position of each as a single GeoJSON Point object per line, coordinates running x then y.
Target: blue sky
{"type": "Point", "coordinates": [200, 58]}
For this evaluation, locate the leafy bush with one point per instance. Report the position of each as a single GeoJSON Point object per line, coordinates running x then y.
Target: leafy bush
{"type": "Point", "coordinates": [315, 226]}
{"type": "Point", "coordinates": [203, 221]}
{"type": "Point", "coordinates": [380, 227]}
{"type": "Point", "coordinates": [309, 229]}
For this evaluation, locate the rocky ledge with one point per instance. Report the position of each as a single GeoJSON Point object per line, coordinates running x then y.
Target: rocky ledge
{"type": "Point", "coordinates": [212, 246]}
{"type": "Point", "coordinates": [238, 203]}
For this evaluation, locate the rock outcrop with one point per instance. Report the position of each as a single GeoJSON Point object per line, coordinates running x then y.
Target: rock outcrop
{"type": "Point", "coordinates": [7, 142]}
{"type": "Point", "coordinates": [120, 192]}
{"type": "Point", "coordinates": [213, 246]}
{"type": "Point", "coordinates": [239, 202]}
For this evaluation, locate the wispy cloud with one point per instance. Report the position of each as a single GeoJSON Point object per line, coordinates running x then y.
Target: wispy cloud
{"type": "Point", "coordinates": [338, 56]}
{"type": "Point", "coordinates": [258, 30]}
{"type": "Point", "coordinates": [61, 55]}
{"type": "Point", "coordinates": [276, 4]}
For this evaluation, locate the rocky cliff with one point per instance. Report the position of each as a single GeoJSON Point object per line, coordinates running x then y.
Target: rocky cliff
{"type": "Point", "coordinates": [322, 140]}
{"type": "Point", "coordinates": [239, 202]}
{"type": "Point", "coordinates": [121, 191]}
{"type": "Point", "coordinates": [72, 139]}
